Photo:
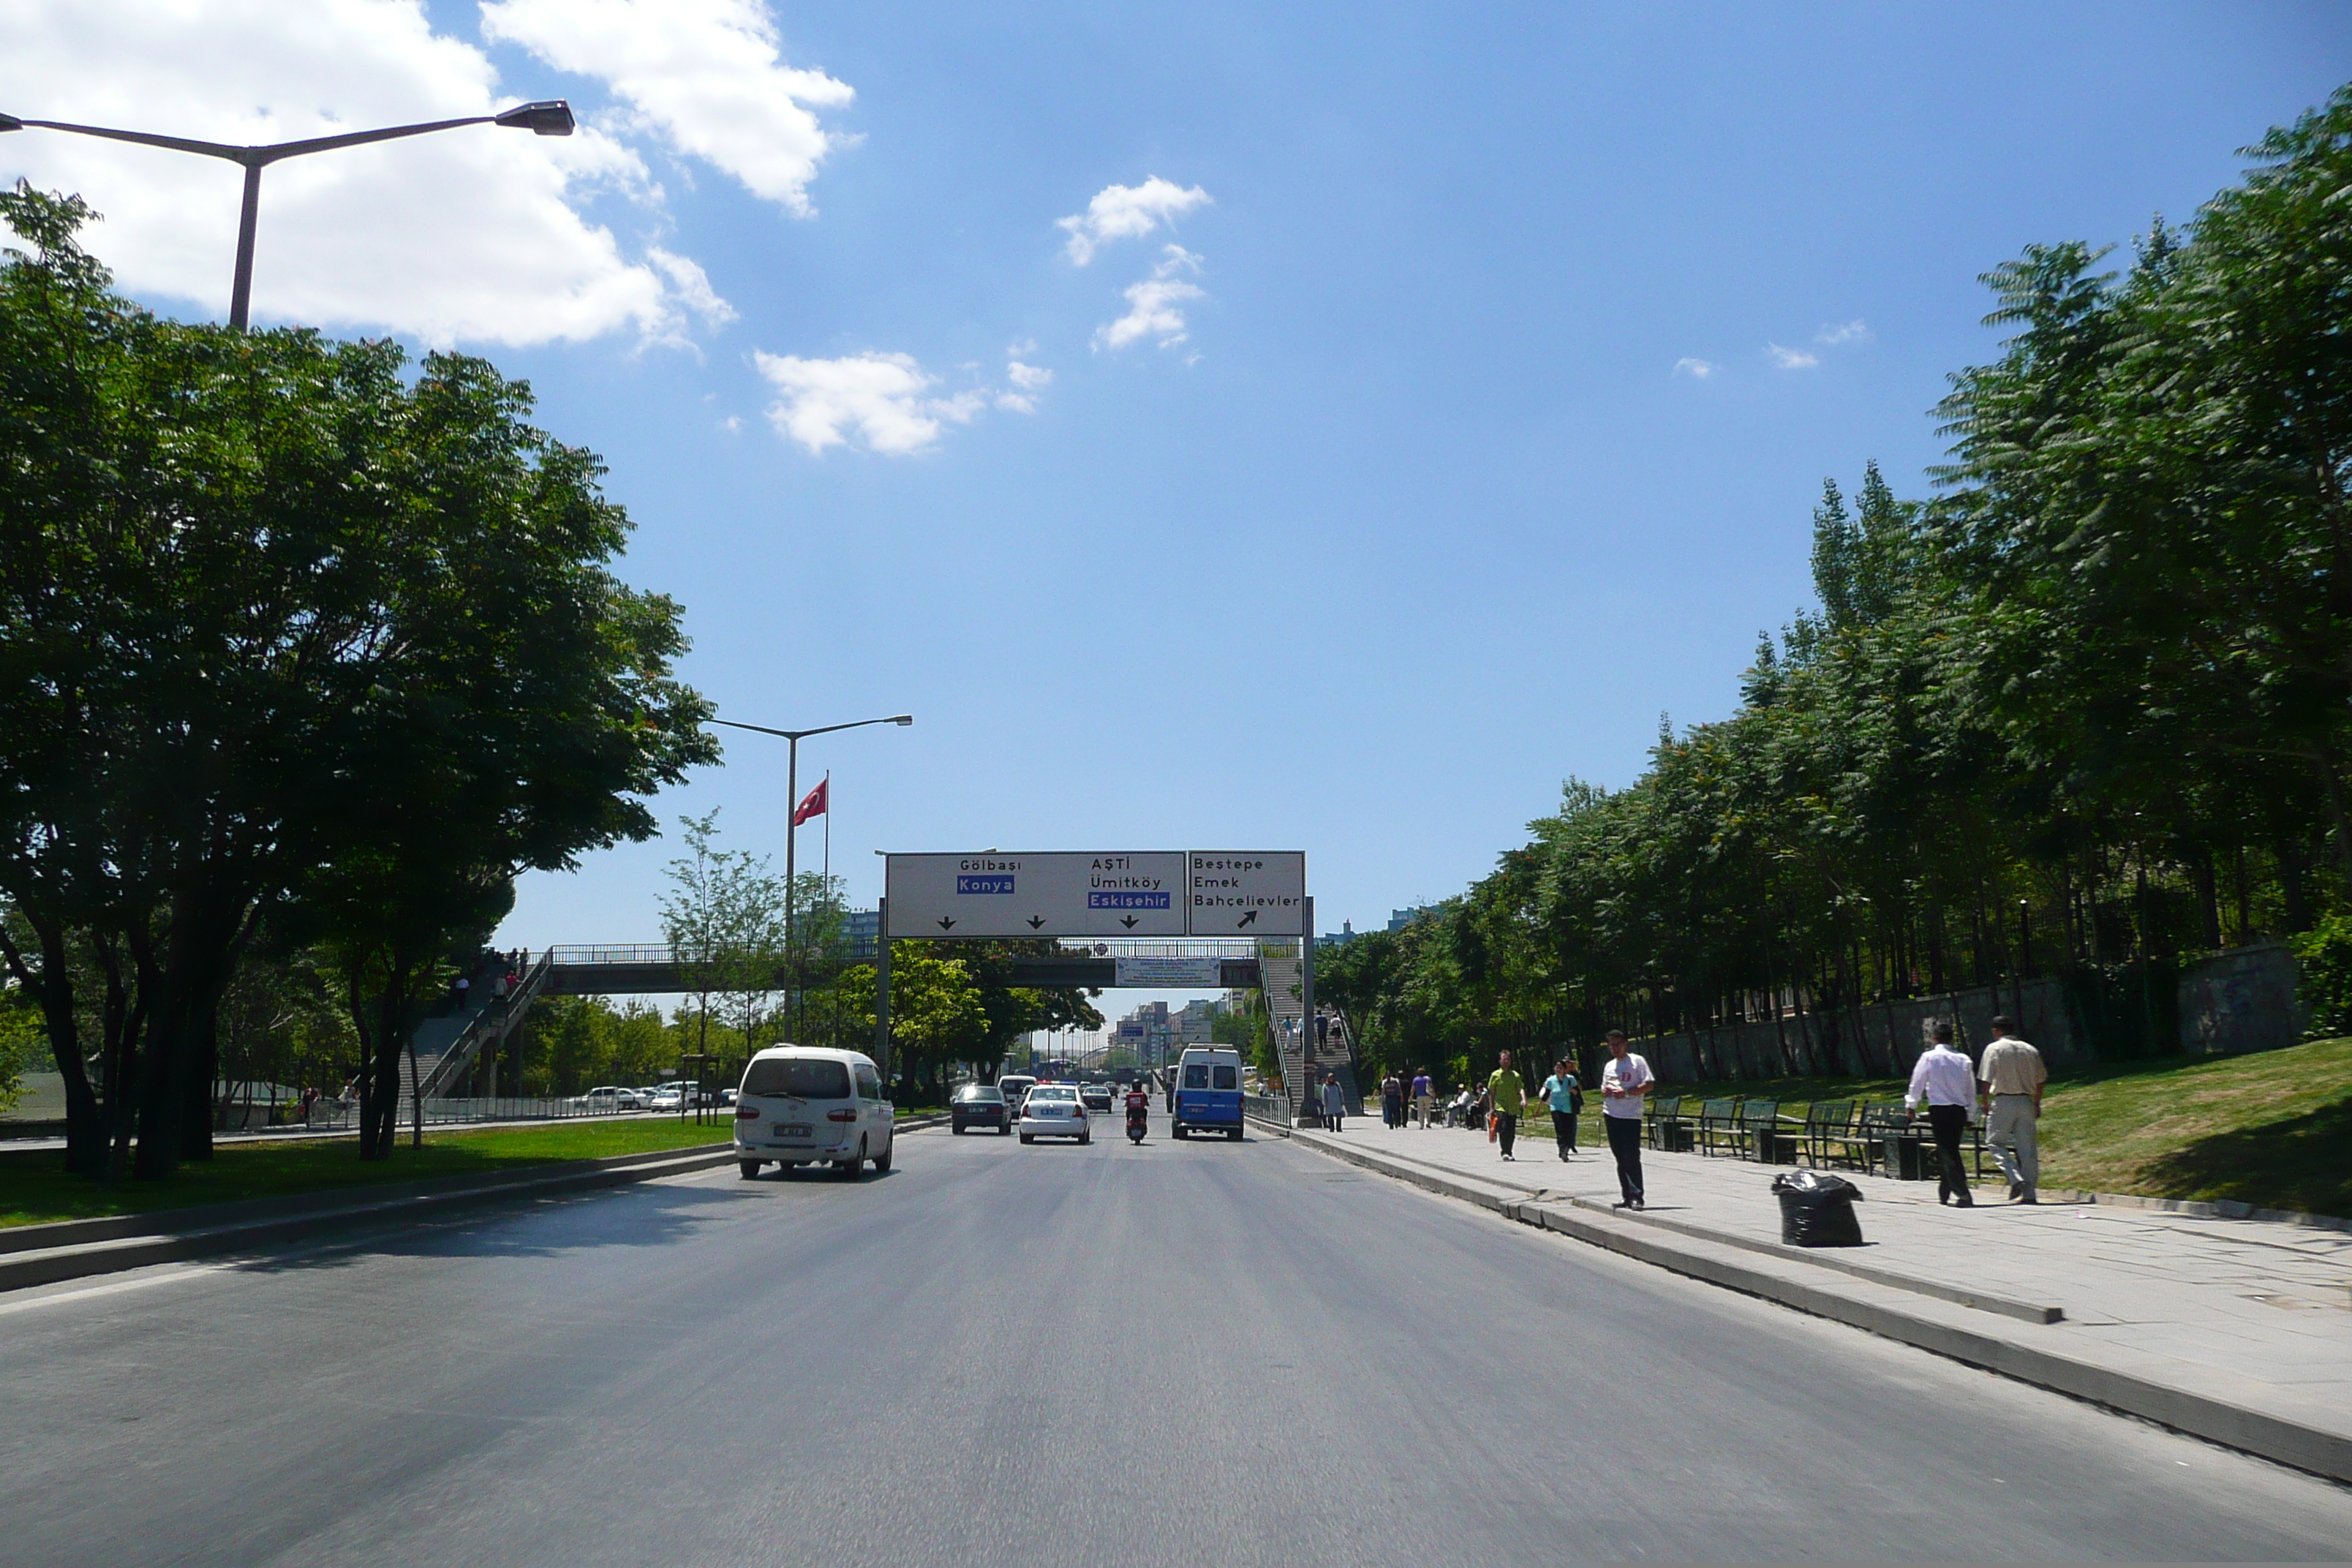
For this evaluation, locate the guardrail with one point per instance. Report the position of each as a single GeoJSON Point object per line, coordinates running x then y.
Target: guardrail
{"type": "Point", "coordinates": [340, 1115]}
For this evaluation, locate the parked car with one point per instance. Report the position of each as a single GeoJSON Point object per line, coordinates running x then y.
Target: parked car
{"type": "Point", "coordinates": [664, 1099]}
{"type": "Point", "coordinates": [979, 1105]}
{"type": "Point", "coordinates": [610, 1097]}
{"type": "Point", "coordinates": [802, 1105]}
{"type": "Point", "coordinates": [1054, 1110]}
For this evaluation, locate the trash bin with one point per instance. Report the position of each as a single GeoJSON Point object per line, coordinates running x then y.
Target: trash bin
{"type": "Point", "coordinates": [1817, 1209]}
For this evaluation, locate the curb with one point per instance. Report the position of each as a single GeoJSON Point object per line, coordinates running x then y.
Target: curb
{"type": "Point", "coordinates": [2322, 1453]}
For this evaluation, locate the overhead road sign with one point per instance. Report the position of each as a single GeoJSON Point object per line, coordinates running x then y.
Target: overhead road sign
{"type": "Point", "coordinates": [1246, 892]}
{"type": "Point", "coordinates": [1139, 893]}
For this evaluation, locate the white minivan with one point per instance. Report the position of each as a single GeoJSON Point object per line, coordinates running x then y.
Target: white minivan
{"type": "Point", "coordinates": [805, 1105]}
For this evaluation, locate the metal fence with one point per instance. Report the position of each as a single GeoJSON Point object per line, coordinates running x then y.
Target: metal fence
{"type": "Point", "coordinates": [338, 1115]}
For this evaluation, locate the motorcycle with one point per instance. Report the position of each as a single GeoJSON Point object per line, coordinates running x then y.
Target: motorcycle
{"type": "Point", "coordinates": [1137, 1119]}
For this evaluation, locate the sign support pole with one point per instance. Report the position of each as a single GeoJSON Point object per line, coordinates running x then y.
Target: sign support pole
{"type": "Point", "coordinates": [1306, 996]}
{"type": "Point", "coordinates": [882, 988]}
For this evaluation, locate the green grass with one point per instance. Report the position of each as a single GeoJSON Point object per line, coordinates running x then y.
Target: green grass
{"type": "Point", "coordinates": [2274, 1129]}
{"type": "Point", "coordinates": [34, 1188]}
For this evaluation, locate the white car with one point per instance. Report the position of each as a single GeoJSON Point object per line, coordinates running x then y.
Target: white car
{"type": "Point", "coordinates": [1055, 1110]}
{"type": "Point", "coordinates": [662, 1100]}
{"type": "Point", "coordinates": [610, 1097]}
{"type": "Point", "coordinates": [804, 1105]}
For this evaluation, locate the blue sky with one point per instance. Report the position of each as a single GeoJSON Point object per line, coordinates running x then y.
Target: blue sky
{"type": "Point", "coordinates": [1429, 509]}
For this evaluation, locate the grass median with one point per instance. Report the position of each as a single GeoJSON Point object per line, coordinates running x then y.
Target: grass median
{"type": "Point", "coordinates": [2273, 1129]}
{"type": "Point", "coordinates": [35, 1188]}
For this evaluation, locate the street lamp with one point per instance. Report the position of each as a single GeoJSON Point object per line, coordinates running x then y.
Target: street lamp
{"type": "Point", "coordinates": [547, 116]}
{"type": "Point", "coordinates": [792, 800]}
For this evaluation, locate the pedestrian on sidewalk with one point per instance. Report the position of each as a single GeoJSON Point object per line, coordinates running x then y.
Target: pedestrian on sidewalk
{"type": "Point", "coordinates": [1943, 1077]}
{"type": "Point", "coordinates": [1508, 1096]}
{"type": "Point", "coordinates": [1566, 1097]}
{"type": "Point", "coordinates": [1393, 1101]}
{"type": "Point", "coordinates": [1421, 1094]}
{"type": "Point", "coordinates": [1626, 1083]}
{"type": "Point", "coordinates": [1335, 1103]}
{"type": "Point", "coordinates": [2012, 1074]}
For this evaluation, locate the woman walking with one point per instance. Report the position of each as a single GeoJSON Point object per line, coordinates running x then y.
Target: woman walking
{"type": "Point", "coordinates": [1565, 1095]}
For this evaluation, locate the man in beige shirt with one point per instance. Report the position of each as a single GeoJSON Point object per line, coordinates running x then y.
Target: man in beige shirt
{"type": "Point", "coordinates": [2012, 1074]}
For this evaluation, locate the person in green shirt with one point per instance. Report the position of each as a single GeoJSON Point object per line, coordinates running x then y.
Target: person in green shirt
{"type": "Point", "coordinates": [1508, 1096]}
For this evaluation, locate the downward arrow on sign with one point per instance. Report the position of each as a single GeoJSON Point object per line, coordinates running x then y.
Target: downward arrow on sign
{"type": "Point", "coordinates": [945, 923]}
{"type": "Point", "coordinates": [1036, 921]}
{"type": "Point", "coordinates": [1129, 922]}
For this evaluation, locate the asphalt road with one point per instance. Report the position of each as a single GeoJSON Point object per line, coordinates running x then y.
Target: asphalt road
{"type": "Point", "coordinates": [1177, 1354]}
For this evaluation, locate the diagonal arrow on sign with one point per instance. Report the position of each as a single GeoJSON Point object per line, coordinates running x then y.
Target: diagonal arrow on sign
{"type": "Point", "coordinates": [1245, 920]}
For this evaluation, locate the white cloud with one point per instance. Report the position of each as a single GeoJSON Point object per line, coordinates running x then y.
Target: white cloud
{"type": "Point", "coordinates": [1699, 368]}
{"type": "Point", "coordinates": [1791, 359]}
{"type": "Point", "coordinates": [478, 234]}
{"type": "Point", "coordinates": [1153, 306]}
{"type": "Point", "coordinates": [1025, 381]}
{"type": "Point", "coordinates": [883, 401]}
{"type": "Point", "coordinates": [1847, 332]}
{"type": "Point", "coordinates": [1127, 212]}
{"type": "Point", "coordinates": [708, 74]}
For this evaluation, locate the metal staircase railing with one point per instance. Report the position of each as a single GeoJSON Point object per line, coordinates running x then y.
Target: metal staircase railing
{"type": "Point", "coordinates": [490, 1027]}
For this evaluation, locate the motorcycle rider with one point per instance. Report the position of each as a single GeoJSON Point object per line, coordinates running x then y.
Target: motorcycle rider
{"type": "Point", "coordinates": [1138, 1105]}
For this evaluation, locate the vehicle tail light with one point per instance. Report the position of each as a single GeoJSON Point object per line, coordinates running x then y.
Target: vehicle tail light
{"type": "Point", "coordinates": [747, 1113]}
{"type": "Point", "coordinates": [841, 1116]}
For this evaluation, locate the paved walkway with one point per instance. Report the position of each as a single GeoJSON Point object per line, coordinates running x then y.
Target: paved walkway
{"type": "Point", "coordinates": [2259, 1309]}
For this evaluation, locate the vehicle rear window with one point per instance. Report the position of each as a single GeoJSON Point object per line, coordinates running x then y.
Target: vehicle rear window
{"type": "Point", "coordinates": [800, 1077]}
{"type": "Point", "coordinates": [978, 1092]}
{"type": "Point", "coordinates": [1224, 1077]}
{"type": "Point", "coordinates": [1196, 1076]}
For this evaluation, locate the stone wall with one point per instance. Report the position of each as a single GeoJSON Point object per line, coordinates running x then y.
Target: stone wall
{"type": "Point", "coordinates": [2241, 1000]}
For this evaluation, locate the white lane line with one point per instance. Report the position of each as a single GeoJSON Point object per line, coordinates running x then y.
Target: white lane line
{"type": "Point", "coordinates": [168, 1275]}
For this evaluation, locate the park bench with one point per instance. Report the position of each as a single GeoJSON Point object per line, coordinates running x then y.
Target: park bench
{"type": "Point", "coordinates": [1718, 1126]}
{"type": "Point", "coordinates": [1667, 1128]}
{"type": "Point", "coordinates": [1829, 1133]}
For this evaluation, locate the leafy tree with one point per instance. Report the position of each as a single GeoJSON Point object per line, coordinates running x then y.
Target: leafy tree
{"type": "Point", "coordinates": [279, 624]}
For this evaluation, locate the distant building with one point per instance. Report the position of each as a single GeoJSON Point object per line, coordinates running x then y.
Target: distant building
{"type": "Point", "coordinates": [1341, 937]}
{"type": "Point", "coordinates": [859, 931]}
{"type": "Point", "coordinates": [1400, 919]}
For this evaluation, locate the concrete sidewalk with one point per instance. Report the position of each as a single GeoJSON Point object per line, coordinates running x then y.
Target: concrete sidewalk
{"type": "Point", "coordinates": [2256, 1315]}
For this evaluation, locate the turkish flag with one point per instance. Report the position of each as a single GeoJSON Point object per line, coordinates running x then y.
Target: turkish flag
{"type": "Point", "coordinates": [813, 803]}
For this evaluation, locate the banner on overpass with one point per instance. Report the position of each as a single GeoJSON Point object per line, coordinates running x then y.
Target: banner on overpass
{"type": "Point", "coordinates": [1139, 893]}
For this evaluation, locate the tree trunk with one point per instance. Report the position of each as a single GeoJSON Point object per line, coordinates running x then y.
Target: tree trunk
{"type": "Point", "coordinates": [52, 986]}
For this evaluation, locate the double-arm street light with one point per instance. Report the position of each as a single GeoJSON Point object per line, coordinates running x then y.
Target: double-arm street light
{"type": "Point", "coordinates": [549, 117]}
{"type": "Point", "coordinates": [793, 795]}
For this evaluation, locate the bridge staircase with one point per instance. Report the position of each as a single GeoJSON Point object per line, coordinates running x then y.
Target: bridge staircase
{"type": "Point", "coordinates": [448, 1047]}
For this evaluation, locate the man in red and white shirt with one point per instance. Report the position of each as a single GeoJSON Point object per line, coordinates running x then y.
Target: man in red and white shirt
{"type": "Point", "coordinates": [1625, 1084]}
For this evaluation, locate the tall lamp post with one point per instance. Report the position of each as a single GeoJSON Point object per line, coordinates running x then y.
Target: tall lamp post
{"type": "Point", "coordinates": [792, 798]}
{"type": "Point", "coordinates": [549, 117]}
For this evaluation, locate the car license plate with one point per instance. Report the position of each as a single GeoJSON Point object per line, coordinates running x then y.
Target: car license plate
{"type": "Point", "coordinates": [790, 1130]}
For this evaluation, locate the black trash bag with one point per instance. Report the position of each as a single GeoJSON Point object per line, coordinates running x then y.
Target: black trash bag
{"type": "Point", "coordinates": [1817, 1209]}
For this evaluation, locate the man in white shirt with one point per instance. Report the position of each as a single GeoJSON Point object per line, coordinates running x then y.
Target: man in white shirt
{"type": "Point", "coordinates": [1943, 1077]}
{"type": "Point", "coordinates": [1625, 1084]}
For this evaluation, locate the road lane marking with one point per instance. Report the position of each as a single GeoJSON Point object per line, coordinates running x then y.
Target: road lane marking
{"type": "Point", "coordinates": [167, 1276]}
